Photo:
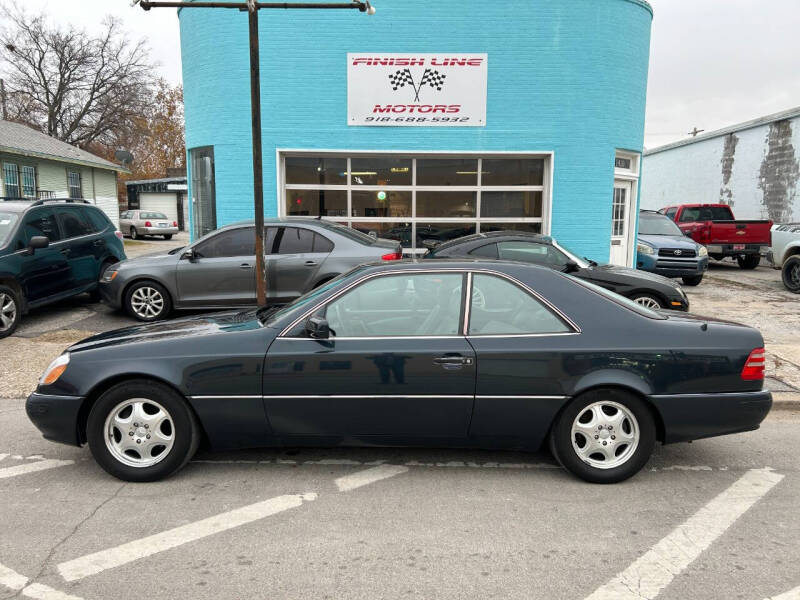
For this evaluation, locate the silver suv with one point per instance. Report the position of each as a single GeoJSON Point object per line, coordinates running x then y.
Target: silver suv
{"type": "Point", "coordinates": [218, 270]}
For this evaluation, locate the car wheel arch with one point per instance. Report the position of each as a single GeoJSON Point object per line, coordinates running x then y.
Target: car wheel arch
{"type": "Point", "coordinates": [147, 279]}
{"type": "Point", "coordinates": [648, 292]}
{"type": "Point", "coordinates": [15, 285]}
{"type": "Point", "coordinates": [104, 385]}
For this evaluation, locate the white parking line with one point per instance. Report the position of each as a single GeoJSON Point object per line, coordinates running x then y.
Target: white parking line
{"type": "Point", "coordinates": [19, 583]}
{"type": "Point", "coordinates": [654, 571]}
{"type": "Point", "coordinates": [362, 478]}
{"type": "Point", "coordinates": [159, 542]}
{"type": "Point", "coordinates": [41, 465]}
{"type": "Point", "coordinates": [790, 595]}
{"type": "Point", "coordinates": [2, 456]}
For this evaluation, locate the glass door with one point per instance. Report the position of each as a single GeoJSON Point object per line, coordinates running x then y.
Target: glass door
{"type": "Point", "coordinates": [204, 209]}
{"type": "Point", "coordinates": [620, 223]}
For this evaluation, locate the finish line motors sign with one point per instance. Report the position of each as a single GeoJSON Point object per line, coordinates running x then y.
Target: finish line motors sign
{"type": "Point", "coordinates": [428, 90]}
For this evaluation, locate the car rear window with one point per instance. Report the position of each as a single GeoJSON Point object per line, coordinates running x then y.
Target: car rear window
{"type": "Point", "coordinates": [98, 218]}
{"type": "Point", "coordinates": [152, 215]}
{"type": "Point", "coordinates": [348, 232]}
{"type": "Point", "coordinates": [706, 213]}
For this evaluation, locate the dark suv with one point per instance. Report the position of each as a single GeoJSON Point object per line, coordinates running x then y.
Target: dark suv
{"type": "Point", "coordinates": [51, 250]}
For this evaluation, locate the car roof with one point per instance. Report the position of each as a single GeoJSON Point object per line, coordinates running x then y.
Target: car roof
{"type": "Point", "coordinates": [493, 235]}
{"type": "Point", "coordinates": [419, 264]}
{"type": "Point", "coordinates": [24, 204]}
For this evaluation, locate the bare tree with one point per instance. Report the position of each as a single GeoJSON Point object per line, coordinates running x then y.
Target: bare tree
{"type": "Point", "coordinates": [76, 87]}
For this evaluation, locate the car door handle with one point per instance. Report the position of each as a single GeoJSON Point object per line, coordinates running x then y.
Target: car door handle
{"type": "Point", "coordinates": [245, 266]}
{"type": "Point", "coordinates": [310, 263]}
{"type": "Point", "coordinates": [452, 361]}
{"type": "Point", "coordinates": [99, 243]}
{"type": "Point", "coordinates": [65, 251]}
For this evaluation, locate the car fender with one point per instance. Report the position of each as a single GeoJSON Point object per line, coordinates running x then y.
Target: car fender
{"type": "Point", "coordinates": [613, 378]}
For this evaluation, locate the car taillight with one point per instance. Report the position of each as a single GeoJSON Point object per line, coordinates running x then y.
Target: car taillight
{"type": "Point", "coordinates": [392, 256]}
{"type": "Point", "coordinates": [118, 234]}
{"type": "Point", "coordinates": [148, 224]}
{"type": "Point", "coordinates": [753, 369]}
{"type": "Point", "coordinates": [174, 223]}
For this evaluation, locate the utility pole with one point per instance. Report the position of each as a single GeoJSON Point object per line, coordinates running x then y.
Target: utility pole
{"type": "Point", "coordinates": [252, 7]}
{"type": "Point", "coordinates": [3, 99]}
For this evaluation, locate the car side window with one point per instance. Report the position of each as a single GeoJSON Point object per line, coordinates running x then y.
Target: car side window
{"type": "Point", "coordinates": [542, 254]}
{"type": "Point", "coordinates": [414, 304]}
{"type": "Point", "coordinates": [233, 242]}
{"type": "Point", "coordinates": [42, 222]}
{"type": "Point", "coordinates": [690, 214]}
{"type": "Point", "coordinates": [671, 213]}
{"type": "Point", "coordinates": [73, 223]}
{"type": "Point", "coordinates": [500, 307]}
{"type": "Point", "coordinates": [486, 251]}
{"type": "Point", "coordinates": [322, 244]}
{"type": "Point", "coordinates": [294, 240]}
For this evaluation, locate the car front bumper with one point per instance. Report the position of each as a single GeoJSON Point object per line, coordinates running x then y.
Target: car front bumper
{"type": "Point", "coordinates": [56, 416]}
{"type": "Point", "coordinates": [695, 416]}
{"type": "Point", "coordinates": [669, 267]}
{"type": "Point", "coordinates": [111, 292]}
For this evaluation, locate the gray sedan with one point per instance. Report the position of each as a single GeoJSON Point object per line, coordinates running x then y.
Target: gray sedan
{"type": "Point", "coordinates": [218, 270]}
{"type": "Point", "coordinates": [138, 223]}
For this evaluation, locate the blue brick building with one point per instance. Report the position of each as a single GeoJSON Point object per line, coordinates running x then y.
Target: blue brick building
{"type": "Point", "coordinates": [557, 150]}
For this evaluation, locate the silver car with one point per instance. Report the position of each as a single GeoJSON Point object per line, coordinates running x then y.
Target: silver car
{"type": "Point", "coordinates": [218, 270]}
{"type": "Point", "coordinates": [139, 223]}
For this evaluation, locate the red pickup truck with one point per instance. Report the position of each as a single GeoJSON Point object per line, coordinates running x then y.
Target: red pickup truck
{"type": "Point", "coordinates": [713, 226]}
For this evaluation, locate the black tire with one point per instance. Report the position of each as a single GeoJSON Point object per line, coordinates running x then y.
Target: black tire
{"type": "Point", "coordinates": [695, 280]}
{"type": "Point", "coordinates": [717, 256]}
{"type": "Point", "coordinates": [135, 310]}
{"type": "Point", "coordinates": [748, 261]}
{"type": "Point", "coordinates": [10, 311]}
{"type": "Point", "coordinates": [183, 425]}
{"type": "Point", "coordinates": [134, 233]}
{"type": "Point", "coordinates": [790, 273]}
{"type": "Point", "coordinates": [168, 236]}
{"type": "Point", "coordinates": [643, 298]}
{"type": "Point", "coordinates": [561, 437]}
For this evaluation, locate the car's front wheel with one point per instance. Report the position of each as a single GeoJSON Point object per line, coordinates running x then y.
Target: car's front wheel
{"type": "Point", "coordinates": [695, 280]}
{"type": "Point", "coordinates": [648, 300]}
{"type": "Point", "coordinates": [604, 436]}
{"type": "Point", "coordinates": [148, 301]}
{"type": "Point", "coordinates": [142, 431]}
{"type": "Point", "coordinates": [790, 273]}
{"type": "Point", "coordinates": [10, 311]}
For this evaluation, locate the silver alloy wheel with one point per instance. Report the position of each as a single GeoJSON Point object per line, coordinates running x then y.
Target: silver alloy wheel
{"type": "Point", "coordinates": [147, 302]}
{"type": "Point", "coordinates": [8, 311]}
{"type": "Point", "coordinates": [605, 434]}
{"type": "Point", "coordinates": [139, 432]}
{"type": "Point", "coordinates": [648, 302]}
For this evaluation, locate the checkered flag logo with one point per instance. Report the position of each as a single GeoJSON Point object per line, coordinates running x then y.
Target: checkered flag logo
{"type": "Point", "coordinates": [404, 77]}
{"type": "Point", "coordinates": [400, 78]}
{"type": "Point", "coordinates": [433, 79]}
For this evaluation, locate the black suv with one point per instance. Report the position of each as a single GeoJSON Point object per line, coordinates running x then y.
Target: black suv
{"type": "Point", "coordinates": [51, 250]}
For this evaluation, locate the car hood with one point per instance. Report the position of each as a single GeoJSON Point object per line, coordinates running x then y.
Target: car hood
{"type": "Point", "coordinates": [156, 258]}
{"type": "Point", "coordinates": [618, 272]}
{"type": "Point", "coordinates": [202, 325]}
{"type": "Point", "coordinates": [669, 241]}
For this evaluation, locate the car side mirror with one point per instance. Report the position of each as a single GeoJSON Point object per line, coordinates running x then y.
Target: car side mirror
{"type": "Point", "coordinates": [37, 243]}
{"type": "Point", "coordinates": [687, 234]}
{"type": "Point", "coordinates": [571, 267]}
{"type": "Point", "coordinates": [189, 255]}
{"type": "Point", "coordinates": [318, 328]}
{"type": "Point", "coordinates": [430, 244]}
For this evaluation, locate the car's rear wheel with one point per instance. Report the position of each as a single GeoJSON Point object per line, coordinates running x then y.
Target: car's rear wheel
{"type": "Point", "coordinates": [148, 301]}
{"type": "Point", "coordinates": [790, 272]}
{"type": "Point", "coordinates": [692, 280]}
{"type": "Point", "coordinates": [134, 233]}
{"type": "Point", "coordinates": [168, 236]}
{"type": "Point", "coordinates": [10, 311]}
{"type": "Point", "coordinates": [142, 431]}
{"type": "Point", "coordinates": [604, 436]}
{"type": "Point", "coordinates": [748, 261]}
{"type": "Point", "coordinates": [648, 300]}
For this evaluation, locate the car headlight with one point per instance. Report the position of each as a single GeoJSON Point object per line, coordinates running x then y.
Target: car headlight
{"type": "Point", "coordinates": [703, 251]}
{"type": "Point", "coordinates": [644, 248]}
{"type": "Point", "coordinates": [55, 370]}
{"type": "Point", "coordinates": [109, 276]}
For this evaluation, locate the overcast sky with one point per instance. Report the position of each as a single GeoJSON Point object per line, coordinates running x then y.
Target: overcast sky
{"type": "Point", "coordinates": [712, 62]}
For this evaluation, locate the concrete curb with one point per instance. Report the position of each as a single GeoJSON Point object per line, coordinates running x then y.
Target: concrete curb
{"type": "Point", "coordinates": [785, 401]}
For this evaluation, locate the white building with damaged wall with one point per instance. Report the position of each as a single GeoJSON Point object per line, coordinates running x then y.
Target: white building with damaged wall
{"type": "Point", "coordinates": [754, 167]}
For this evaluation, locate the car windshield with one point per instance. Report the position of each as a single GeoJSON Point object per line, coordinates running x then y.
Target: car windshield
{"type": "Point", "coordinates": [582, 263]}
{"type": "Point", "coordinates": [269, 315]}
{"type": "Point", "coordinates": [652, 224]}
{"type": "Point", "coordinates": [7, 221]}
{"type": "Point", "coordinates": [621, 300]}
{"type": "Point", "coordinates": [152, 215]}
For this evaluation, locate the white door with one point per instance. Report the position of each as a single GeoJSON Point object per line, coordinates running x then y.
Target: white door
{"type": "Point", "coordinates": [620, 223]}
{"type": "Point", "coordinates": [163, 203]}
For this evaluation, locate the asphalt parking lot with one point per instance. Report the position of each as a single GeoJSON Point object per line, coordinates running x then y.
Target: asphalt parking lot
{"type": "Point", "coordinates": [714, 519]}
